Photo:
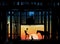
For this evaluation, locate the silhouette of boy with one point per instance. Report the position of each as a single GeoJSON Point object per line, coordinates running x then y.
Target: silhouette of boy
{"type": "Point", "coordinates": [26, 34]}
{"type": "Point", "coordinates": [31, 37]}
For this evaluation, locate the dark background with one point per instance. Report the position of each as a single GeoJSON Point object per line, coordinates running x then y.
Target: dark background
{"type": "Point", "coordinates": [47, 5]}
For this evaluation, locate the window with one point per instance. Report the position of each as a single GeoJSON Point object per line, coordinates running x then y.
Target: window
{"type": "Point", "coordinates": [38, 16]}
{"type": "Point", "coordinates": [31, 13]}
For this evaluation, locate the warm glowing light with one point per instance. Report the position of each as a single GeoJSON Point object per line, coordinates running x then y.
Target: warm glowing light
{"type": "Point", "coordinates": [33, 36]}
{"type": "Point", "coordinates": [32, 29]}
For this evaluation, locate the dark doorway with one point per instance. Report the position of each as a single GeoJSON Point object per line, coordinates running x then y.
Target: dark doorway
{"type": "Point", "coordinates": [30, 20]}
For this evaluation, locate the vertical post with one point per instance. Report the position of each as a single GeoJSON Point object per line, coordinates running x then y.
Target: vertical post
{"type": "Point", "coordinates": [45, 25]}
{"type": "Point", "coordinates": [11, 25]}
{"type": "Point", "coordinates": [48, 25]}
{"type": "Point", "coordinates": [38, 17]}
{"type": "Point", "coordinates": [41, 17]}
{"type": "Point", "coordinates": [20, 24]}
{"type": "Point", "coordinates": [0, 26]}
{"type": "Point", "coordinates": [16, 25]}
{"type": "Point", "coordinates": [59, 27]}
{"type": "Point", "coordinates": [54, 26]}
{"type": "Point", "coordinates": [4, 24]}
